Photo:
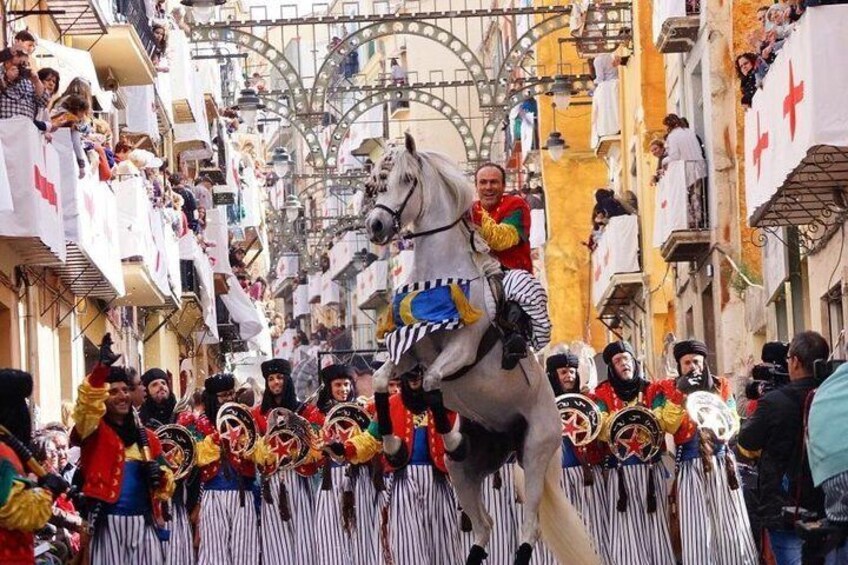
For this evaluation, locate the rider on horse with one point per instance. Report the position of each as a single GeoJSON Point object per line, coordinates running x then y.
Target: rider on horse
{"type": "Point", "coordinates": [503, 221]}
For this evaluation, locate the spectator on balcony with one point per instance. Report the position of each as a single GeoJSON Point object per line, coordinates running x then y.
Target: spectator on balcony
{"type": "Point", "coordinates": [257, 289]}
{"type": "Point", "coordinates": [658, 150]}
{"type": "Point", "coordinates": [69, 114]}
{"type": "Point", "coordinates": [751, 69]}
{"type": "Point", "coordinates": [203, 192]}
{"type": "Point", "coordinates": [25, 41]}
{"type": "Point", "coordinates": [160, 40]}
{"type": "Point", "coordinates": [189, 202]}
{"type": "Point", "coordinates": [257, 82]}
{"type": "Point", "coordinates": [682, 144]}
{"type": "Point", "coordinates": [398, 73]}
{"type": "Point", "coordinates": [796, 9]}
{"type": "Point", "coordinates": [21, 91]}
{"type": "Point", "coordinates": [606, 67]}
{"type": "Point", "coordinates": [50, 79]}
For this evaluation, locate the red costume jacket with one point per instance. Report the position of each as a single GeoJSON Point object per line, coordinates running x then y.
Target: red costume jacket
{"type": "Point", "coordinates": [17, 547]}
{"type": "Point", "coordinates": [202, 427]}
{"type": "Point", "coordinates": [513, 211]}
{"type": "Point", "coordinates": [666, 395]}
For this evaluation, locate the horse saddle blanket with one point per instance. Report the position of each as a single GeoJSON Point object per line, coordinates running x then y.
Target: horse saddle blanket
{"type": "Point", "coordinates": [421, 308]}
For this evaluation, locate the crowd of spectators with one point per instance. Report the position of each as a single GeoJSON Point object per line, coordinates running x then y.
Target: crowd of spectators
{"type": "Point", "coordinates": [776, 23]}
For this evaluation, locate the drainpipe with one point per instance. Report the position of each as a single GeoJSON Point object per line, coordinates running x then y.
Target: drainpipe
{"type": "Point", "coordinates": [31, 328]}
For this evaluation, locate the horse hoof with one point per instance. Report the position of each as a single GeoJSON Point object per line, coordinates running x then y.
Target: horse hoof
{"type": "Point", "coordinates": [476, 556]}
{"type": "Point", "coordinates": [523, 555]}
{"type": "Point", "coordinates": [460, 452]}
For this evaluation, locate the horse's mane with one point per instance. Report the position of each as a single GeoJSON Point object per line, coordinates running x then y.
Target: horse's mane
{"type": "Point", "coordinates": [436, 168]}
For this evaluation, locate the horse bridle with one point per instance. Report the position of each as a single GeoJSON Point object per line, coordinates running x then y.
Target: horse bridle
{"type": "Point", "coordinates": [396, 215]}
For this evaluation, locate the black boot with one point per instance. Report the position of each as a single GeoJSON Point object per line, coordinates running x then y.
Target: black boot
{"type": "Point", "coordinates": [512, 321]}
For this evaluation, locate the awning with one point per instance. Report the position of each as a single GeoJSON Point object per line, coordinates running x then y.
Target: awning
{"type": "Point", "coordinates": [73, 63]}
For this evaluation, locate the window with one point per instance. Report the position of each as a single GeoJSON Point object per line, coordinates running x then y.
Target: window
{"type": "Point", "coordinates": [833, 319]}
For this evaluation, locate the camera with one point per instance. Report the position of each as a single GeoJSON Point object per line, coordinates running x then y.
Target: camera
{"type": "Point", "coordinates": [772, 373]}
{"type": "Point", "coordinates": [26, 72]}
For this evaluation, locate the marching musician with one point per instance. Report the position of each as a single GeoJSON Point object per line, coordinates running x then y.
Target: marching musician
{"type": "Point", "coordinates": [24, 507]}
{"type": "Point", "coordinates": [422, 520]}
{"type": "Point", "coordinates": [159, 402]}
{"type": "Point", "coordinates": [582, 467]}
{"type": "Point", "coordinates": [125, 477]}
{"type": "Point", "coordinates": [337, 386]}
{"type": "Point", "coordinates": [229, 531]}
{"type": "Point", "coordinates": [636, 498]}
{"type": "Point", "coordinates": [713, 522]}
{"type": "Point", "coordinates": [287, 505]}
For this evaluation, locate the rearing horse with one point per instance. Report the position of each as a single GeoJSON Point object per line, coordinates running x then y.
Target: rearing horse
{"type": "Point", "coordinates": [501, 411]}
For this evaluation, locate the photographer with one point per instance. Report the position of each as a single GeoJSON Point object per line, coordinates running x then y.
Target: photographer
{"type": "Point", "coordinates": [774, 434]}
{"type": "Point", "coordinates": [21, 91]}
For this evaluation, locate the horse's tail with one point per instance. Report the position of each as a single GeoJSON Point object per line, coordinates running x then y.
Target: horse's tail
{"type": "Point", "coordinates": [562, 529]}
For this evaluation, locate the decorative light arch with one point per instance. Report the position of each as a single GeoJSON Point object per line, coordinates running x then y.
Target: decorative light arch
{"type": "Point", "coordinates": [401, 95]}
{"type": "Point", "coordinates": [278, 60]}
{"type": "Point", "coordinates": [522, 46]}
{"type": "Point", "coordinates": [435, 33]}
{"type": "Point", "coordinates": [274, 105]}
{"type": "Point", "coordinates": [516, 98]}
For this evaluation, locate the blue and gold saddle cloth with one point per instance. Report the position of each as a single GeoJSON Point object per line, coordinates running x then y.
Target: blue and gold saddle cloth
{"type": "Point", "coordinates": [421, 308]}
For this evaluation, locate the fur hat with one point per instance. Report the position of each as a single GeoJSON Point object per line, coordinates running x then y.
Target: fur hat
{"type": "Point", "coordinates": [559, 360]}
{"type": "Point", "coordinates": [16, 385]}
{"type": "Point", "coordinates": [219, 383]}
{"type": "Point", "coordinates": [616, 347]}
{"type": "Point", "coordinates": [276, 366]}
{"type": "Point", "coordinates": [334, 372]}
{"type": "Point", "coordinates": [689, 346]}
{"type": "Point", "coordinates": [155, 374]}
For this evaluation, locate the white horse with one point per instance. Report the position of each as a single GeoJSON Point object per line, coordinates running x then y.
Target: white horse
{"type": "Point", "coordinates": [501, 411]}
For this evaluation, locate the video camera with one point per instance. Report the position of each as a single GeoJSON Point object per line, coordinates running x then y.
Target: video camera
{"type": "Point", "coordinates": [772, 373]}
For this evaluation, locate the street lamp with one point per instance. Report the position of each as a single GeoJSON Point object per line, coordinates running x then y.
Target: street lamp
{"type": "Point", "coordinates": [248, 103]}
{"type": "Point", "coordinates": [203, 10]}
{"type": "Point", "coordinates": [561, 91]}
{"type": "Point", "coordinates": [555, 143]}
{"type": "Point", "coordinates": [281, 161]}
{"type": "Point", "coordinates": [293, 207]}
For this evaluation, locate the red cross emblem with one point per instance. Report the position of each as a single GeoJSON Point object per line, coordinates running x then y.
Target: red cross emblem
{"type": "Point", "coordinates": [45, 188]}
{"type": "Point", "coordinates": [597, 273]}
{"type": "Point", "coordinates": [791, 101]}
{"type": "Point", "coordinates": [606, 258]}
{"type": "Point", "coordinates": [762, 145]}
{"type": "Point", "coordinates": [88, 199]}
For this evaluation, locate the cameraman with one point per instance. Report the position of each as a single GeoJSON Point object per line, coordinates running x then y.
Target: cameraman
{"type": "Point", "coordinates": [21, 91]}
{"type": "Point", "coordinates": [774, 435]}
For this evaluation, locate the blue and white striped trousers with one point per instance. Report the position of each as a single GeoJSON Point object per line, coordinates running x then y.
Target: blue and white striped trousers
{"type": "Point", "coordinates": [229, 533]}
{"type": "Point", "coordinates": [332, 544]}
{"type": "Point", "coordinates": [636, 536]}
{"type": "Point", "coordinates": [289, 542]}
{"type": "Point", "coordinates": [364, 538]}
{"type": "Point", "coordinates": [714, 525]}
{"type": "Point", "coordinates": [423, 525]}
{"type": "Point", "coordinates": [124, 540]}
{"type": "Point", "coordinates": [179, 550]}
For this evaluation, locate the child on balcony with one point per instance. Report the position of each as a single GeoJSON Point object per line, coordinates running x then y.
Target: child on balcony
{"type": "Point", "coordinates": [70, 113]}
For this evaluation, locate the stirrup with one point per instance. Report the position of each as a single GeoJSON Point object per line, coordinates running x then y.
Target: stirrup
{"type": "Point", "coordinates": [514, 350]}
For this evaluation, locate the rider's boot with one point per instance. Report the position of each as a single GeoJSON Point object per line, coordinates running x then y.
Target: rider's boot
{"type": "Point", "coordinates": [509, 319]}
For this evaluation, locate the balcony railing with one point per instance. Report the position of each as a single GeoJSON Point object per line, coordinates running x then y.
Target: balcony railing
{"type": "Point", "coordinates": [372, 285]}
{"type": "Point", "coordinates": [134, 13]}
{"type": "Point", "coordinates": [616, 275]}
{"type": "Point", "coordinates": [796, 143]}
{"type": "Point", "coordinates": [606, 125]}
{"type": "Point", "coordinates": [31, 214]}
{"type": "Point", "coordinates": [681, 226]}
{"type": "Point", "coordinates": [676, 24]}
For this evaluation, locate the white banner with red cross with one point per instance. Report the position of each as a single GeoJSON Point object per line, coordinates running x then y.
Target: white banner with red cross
{"type": "Point", "coordinates": [32, 171]}
{"type": "Point", "coordinates": [801, 105]}
{"type": "Point", "coordinates": [617, 253]}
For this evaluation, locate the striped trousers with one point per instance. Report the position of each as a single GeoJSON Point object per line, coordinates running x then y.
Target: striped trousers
{"type": "Point", "coordinates": [591, 503]}
{"type": "Point", "coordinates": [287, 542]}
{"type": "Point", "coordinates": [502, 505]}
{"type": "Point", "coordinates": [228, 531]}
{"type": "Point", "coordinates": [714, 525]}
{"type": "Point", "coordinates": [124, 540]}
{"type": "Point", "coordinates": [180, 548]}
{"type": "Point", "coordinates": [523, 288]}
{"type": "Point", "coordinates": [636, 536]}
{"type": "Point", "coordinates": [423, 528]}
{"type": "Point", "coordinates": [364, 537]}
{"type": "Point", "coordinates": [332, 544]}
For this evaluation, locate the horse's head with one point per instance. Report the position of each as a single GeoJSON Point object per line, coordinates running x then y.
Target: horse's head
{"type": "Point", "coordinates": [394, 189]}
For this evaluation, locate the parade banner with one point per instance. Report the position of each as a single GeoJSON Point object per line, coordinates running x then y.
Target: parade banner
{"type": "Point", "coordinates": [401, 267]}
{"type": "Point", "coordinates": [314, 285]}
{"type": "Point", "coordinates": [288, 266]}
{"type": "Point", "coordinates": [670, 213]}
{"type": "Point", "coordinates": [329, 290]}
{"type": "Point", "coordinates": [284, 345]}
{"type": "Point", "coordinates": [32, 170]}
{"type": "Point", "coordinates": [242, 310]}
{"type": "Point", "coordinates": [217, 234]}
{"type": "Point", "coordinates": [90, 215]}
{"type": "Point", "coordinates": [300, 301]}
{"type": "Point", "coordinates": [371, 282]}
{"type": "Point", "coordinates": [799, 111]}
{"type": "Point", "coordinates": [5, 188]}
{"type": "Point", "coordinates": [617, 253]}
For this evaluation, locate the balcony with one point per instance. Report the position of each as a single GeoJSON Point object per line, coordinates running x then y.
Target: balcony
{"type": "Point", "coordinates": [796, 143]}
{"type": "Point", "coordinates": [287, 272]}
{"type": "Point", "coordinates": [676, 25]}
{"type": "Point", "coordinates": [93, 264]}
{"type": "Point", "coordinates": [124, 51]}
{"type": "Point", "coordinates": [31, 213]}
{"type": "Point", "coordinates": [616, 275]}
{"type": "Point", "coordinates": [198, 290]}
{"type": "Point", "coordinates": [240, 311]}
{"type": "Point", "coordinates": [606, 125]}
{"type": "Point", "coordinates": [148, 267]}
{"type": "Point", "coordinates": [346, 257]}
{"type": "Point", "coordinates": [77, 17]}
{"type": "Point", "coordinates": [681, 225]}
{"type": "Point", "coordinates": [372, 286]}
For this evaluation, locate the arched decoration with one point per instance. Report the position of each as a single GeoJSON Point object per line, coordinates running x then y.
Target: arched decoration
{"type": "Point", "coordinates": [369, 33]}
{"type": "Point", "coordinates": [353, 182]}
{"type": "Point", "coordinates": [261, 47]}
{"type": "Point", "coordinates": [274, 105]}
{"type": "Point", "coordinates": [516, 98]}
{"type": "Point", "coordinates": [522, 46]}
{"type": "Point", "coordinates": [401, 95]}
